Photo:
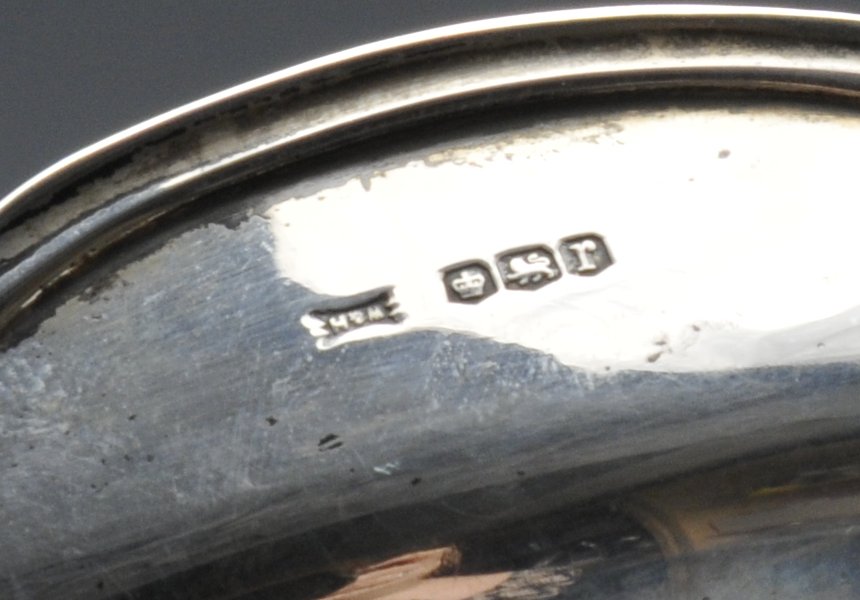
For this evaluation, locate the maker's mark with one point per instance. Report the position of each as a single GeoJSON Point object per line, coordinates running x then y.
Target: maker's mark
{"type": "Point", "coordinates": [349, 314]}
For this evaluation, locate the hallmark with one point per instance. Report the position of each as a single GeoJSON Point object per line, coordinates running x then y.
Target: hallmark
{"type": "Point", "coordinates": [372, 308]}
{"type": "Point", "coordinates": [469, 283]}
{"type": "Point", "coordinates": [528, 268]}
{"type": "Point", "coordinates": [585, 254]}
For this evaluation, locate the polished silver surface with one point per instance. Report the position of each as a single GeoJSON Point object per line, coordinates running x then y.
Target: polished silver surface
{"type": "Point", "coordinates": [562, 305]}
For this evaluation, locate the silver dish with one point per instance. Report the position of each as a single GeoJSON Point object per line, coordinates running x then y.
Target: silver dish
{"type": "Point", "coordinates": [552, 306]}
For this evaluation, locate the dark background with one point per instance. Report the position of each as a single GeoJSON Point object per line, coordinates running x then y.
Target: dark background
{"type": "Point", "coordinates": [72, 73]}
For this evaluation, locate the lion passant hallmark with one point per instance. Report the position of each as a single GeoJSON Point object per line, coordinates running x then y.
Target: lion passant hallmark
{"type": "Point", "coordinates": [526, 268]}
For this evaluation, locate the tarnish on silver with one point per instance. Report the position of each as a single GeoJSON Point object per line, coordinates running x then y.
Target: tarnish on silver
{"type": "Point", "coordinates": [555, 305]}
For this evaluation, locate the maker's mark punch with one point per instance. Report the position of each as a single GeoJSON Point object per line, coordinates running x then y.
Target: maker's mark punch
{"type": "Point", "coordinates": [348, 314]}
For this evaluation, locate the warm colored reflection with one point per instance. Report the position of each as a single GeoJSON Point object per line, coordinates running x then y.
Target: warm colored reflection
{"type": "Point", "coordinates": [418, 576]}
{"type": "Point", "coordinates": [782, 496]}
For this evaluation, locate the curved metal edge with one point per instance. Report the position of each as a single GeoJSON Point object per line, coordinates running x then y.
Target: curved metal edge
{"type": "Point", "coordinates": [53, 178]}
{"type": "Point", "coordinates": [59, 255]}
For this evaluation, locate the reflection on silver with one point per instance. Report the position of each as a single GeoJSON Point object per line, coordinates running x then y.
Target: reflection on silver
{"type": "Point", "coordinates": [555, 306]}
{"type": "Point", "coordinates": [690, 235]}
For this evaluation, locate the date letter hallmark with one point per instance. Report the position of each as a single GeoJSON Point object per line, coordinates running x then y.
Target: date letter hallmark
{"type": "Point", "coordinates": [330, 323]}
{"type": "Point", "coordinates": [585, 254]}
